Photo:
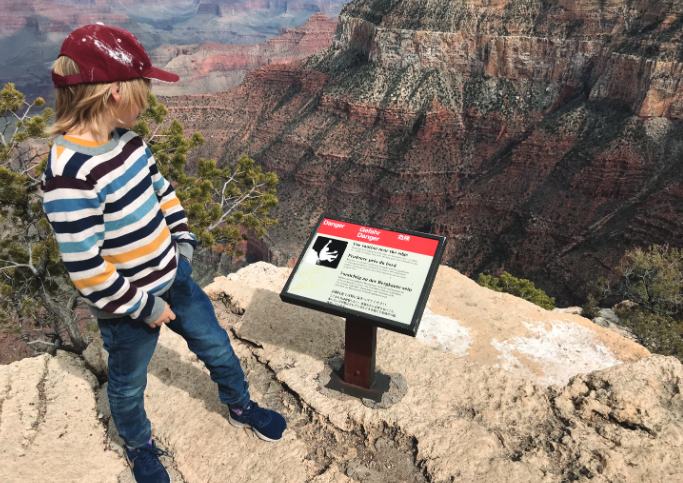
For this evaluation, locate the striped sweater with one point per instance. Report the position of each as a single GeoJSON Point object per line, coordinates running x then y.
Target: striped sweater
{"type": "Point", "coordinates": [118, 223]}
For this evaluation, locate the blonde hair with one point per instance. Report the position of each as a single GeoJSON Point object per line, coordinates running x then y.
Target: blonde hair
{"type": "Point", "coordinates": [83, 107]}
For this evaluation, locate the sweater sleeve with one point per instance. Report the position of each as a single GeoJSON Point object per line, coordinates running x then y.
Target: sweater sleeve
{"type": "Point", "coordinates": [173, 211]}
{"type": "Point", "coordinates": [74, 210]}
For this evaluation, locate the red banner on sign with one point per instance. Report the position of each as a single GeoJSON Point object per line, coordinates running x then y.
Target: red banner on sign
{"type": "Point", "coordinates": [376, 236]}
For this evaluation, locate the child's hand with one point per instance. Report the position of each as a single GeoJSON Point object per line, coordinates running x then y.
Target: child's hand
{"type": "Point", "coordinates": [166, 316]}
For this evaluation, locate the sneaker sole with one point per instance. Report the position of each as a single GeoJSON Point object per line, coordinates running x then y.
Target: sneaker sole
{"type": "Point", "coordinates": [237, 424]}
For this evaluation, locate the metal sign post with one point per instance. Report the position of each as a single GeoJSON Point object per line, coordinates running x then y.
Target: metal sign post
{"type": "Point", "coordinates": [373, 276]}
{"type": "Point", "coordinates": [359, 354]}
{"type": "Point", "coordinates": [358, 377]}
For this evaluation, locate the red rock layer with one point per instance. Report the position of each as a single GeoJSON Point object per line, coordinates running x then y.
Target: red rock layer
{"type": "Point", "coordinates": [211, 66]}
{"type": "Point", "coordinates": [543, 139]}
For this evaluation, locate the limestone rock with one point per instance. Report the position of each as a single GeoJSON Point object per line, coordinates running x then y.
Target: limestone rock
{"type": "Point", "coordinates": [544, 346]}
{"type": "Point", "coordinates": [49, 429]}
{"type": "Point", "coordinates": [568, 310]}
{"type": "Point", "coordinates": [627, 421]}
{"type": "Point", "coordinates": [510, 423]}
{"type": "Point", "coordinates": [237, 289]}
{"type": "Point", "coordinates": [609, 315]}
{"type": "Point", "coordinates": [182, 403]}
{"type": "Point", "coordinates": [609, 320]}
{"type": "Point", "coordinates": [96, 358]}
{"type": "Point", "coordinates": [613, 413]}
{"type": "Point", "coordinates": [332, 475]}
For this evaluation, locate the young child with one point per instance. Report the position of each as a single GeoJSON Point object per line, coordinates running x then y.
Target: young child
{"type": "Point", "coordinates": [124, 238]}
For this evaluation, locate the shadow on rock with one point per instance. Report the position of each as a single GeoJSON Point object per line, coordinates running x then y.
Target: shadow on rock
{"type": "Point", "coordinates": [174, 370]}
{"type": "Point", "coordinates": [269, 321]}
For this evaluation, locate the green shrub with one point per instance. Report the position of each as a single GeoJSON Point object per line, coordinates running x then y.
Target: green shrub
{"type": "Point", "coordinates": [652, 279]}
{"type": "Point", "coordinates": [660, 334]}
{"type": "Point", "coordinates": [590, 309]}
{"type": "Point", "coordinates": [518, 287]}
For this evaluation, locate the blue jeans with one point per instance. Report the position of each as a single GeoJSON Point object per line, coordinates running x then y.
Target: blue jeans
{"type": "Point", "coordinates": [131, 344]}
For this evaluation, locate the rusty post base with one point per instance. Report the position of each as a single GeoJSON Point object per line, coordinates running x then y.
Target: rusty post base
{"type": "Point", "coordinates": [358, 377]}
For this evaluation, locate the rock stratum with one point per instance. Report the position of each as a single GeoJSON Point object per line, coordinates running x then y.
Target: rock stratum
{"type": "Point", "coordinates": [212, 67]}
{"type": "Point", "coordinates": [32, 31]}
{"type": "Point", "coordinates": [498, 390]}
{"type": "Point", "coordinates": [542, 138]}
{"type": "Point", "coordinates": [181, 15]}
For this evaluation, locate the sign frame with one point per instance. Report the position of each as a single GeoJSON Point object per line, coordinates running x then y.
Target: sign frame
{"type": "Point", "coordinates": [374, 320]}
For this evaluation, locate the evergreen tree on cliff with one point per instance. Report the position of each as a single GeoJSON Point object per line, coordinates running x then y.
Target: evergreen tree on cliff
{"type": "Point", "coordinates": [37, 297]}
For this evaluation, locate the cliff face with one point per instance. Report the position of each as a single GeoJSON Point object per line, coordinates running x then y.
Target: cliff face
{"type": "Point", "coordinates": [515, 394]}
{"type": "Point", "coordinates": [543, 138]}
{"type": "Point", "coordinates": [32, 31]}
{"type": "Point", "coordinates": [212, 67]}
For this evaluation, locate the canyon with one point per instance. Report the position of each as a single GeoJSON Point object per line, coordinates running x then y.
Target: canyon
{"type": "Point", "coordinates": [542, 138]}
{"type": "Point", "coordinates": [212, 67]}
{"type": "Point", "coordinates": [31, 32]}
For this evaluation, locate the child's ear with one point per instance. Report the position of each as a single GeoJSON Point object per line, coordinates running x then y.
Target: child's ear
{"type": "Point", "coordinates": [116, 91]}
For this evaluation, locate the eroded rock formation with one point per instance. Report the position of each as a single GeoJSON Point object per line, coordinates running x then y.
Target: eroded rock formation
{"type": "Point", "coordinates": [468, 414]}
{"type": "Point", "coordinates": [543, 138]}
{"type": "Point", "coordinates": [32, 31]}
{"type": "Point", "coordinates": [212, 67]}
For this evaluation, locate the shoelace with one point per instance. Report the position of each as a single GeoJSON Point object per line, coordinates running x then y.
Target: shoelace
{"type": "Point", "coordinates": [148, 458]}
{"type": "Point", "coordinates": [256, 415]}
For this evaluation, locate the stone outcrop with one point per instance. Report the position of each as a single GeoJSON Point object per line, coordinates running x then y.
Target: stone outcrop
{"type": "Point", "coordinates": [49, 429]}
{"type": "Point", "coordinates": [540, 137]}
{"type": "Point", "coordinates": [212, 67]}
{"type": "Point", "coordinates": [468, 415]}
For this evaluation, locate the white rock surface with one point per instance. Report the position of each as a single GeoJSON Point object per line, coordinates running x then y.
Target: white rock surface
{"type": "Point", "coordinates": [49, 430]}
{"type": "Point", "coordinates": [444, 333]}
{"type": "Point", "coordinates": [561, 352]}
{"type": "Point", "coordinates": [568, 310]}
{"type": "Point", "coordinates": [486, 400]}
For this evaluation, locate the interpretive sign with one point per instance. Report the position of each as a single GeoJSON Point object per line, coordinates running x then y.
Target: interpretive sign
{"type": "Point", "coordinates": [376, 274]}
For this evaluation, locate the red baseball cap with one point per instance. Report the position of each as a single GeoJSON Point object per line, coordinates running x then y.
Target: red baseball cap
{"type": "Point", "coordinates": [107, 54]}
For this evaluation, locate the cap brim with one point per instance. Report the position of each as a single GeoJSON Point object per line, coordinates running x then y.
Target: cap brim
{"type": "Point", "coordinates": [161, 75]}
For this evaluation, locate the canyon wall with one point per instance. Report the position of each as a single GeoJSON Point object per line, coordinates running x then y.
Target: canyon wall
{"type": "Point", "coordinates": [542, 138]}
{"type": "Point", "coordinates": [212, 67]}
{"type": "Point", "coordinates": [32, 31]}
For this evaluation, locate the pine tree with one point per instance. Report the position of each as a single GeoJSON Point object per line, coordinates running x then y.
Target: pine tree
{"type": "Point", "coordinates": [222, 205]}
{"type": "Point", "coordinates": [652, 280]}
{"type": "Point", "coordinates": [36, 292]}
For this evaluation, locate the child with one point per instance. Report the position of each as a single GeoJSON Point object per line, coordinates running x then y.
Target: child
{"type": "Point", "coordinates": [124, 237]}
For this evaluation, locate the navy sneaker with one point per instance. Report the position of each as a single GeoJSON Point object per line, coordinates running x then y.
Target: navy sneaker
{"type": "Point", "coordinates": [268, 425]}
{"type": "Point", "coordinates": [145, 464]}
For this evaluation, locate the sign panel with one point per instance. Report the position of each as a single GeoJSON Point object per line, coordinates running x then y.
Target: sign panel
{"type": "Point", "coordinates": [379, 274]}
